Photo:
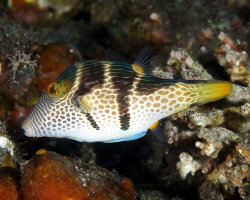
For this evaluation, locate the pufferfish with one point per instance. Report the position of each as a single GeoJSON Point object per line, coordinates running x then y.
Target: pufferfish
{"type": "Point", "coordinates": [102, 101]}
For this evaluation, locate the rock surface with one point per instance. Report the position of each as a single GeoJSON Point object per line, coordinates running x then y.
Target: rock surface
{"type": "Point", "coordinates": [9, 184]}
{"type": "Point", "coordinates": [51, 176]}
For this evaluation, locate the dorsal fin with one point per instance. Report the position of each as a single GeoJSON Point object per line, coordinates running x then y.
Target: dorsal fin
{"type": "Point", "coordinates": [142, 64]}
{"type": "Point", "coordinates": [68, 73]}
{"type": "Point", "coordinates": [158, 130]}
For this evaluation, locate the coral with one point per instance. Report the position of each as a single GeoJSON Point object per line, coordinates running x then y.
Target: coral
{"type": "Point", "coordinates": [205, 118]}
{"type": "Point", "coordinates": [239, 94]}
{"type": "Point", "coordinates": [21, 60]}
{"type": "Point", "coordinates": [5, 142]}
{"type": "Point", "coordinates": [189, 69]}
{"type": "Point", "coordinates": [206, 123]}
{"type": "Point", "coordinates": [8, 149]}
{"type": "Point", "coordinates": [244, 151]}
{"type": "Point", "coordinates": [161, 74]}
{"type": "Point", "coordinates": [187, 165]}
{"type": "Point", "coordinates": [234, 61]}
{"type": "Point", "coordinates": [245, 110]}
{"type": "Point", "coordinates": [171, 132]}
{"type": "Point", "coordinates": [237, 119]}
{"type": "Point", "coordinates": [215, 139]}
{"type": "Point", "coordinates": [51, 176]}
{"type": "Point", "coordinates": [231, 174]}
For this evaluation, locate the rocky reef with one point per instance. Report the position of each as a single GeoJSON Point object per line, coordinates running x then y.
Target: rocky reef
{"type": "Point", "coordinates": [207, 150]}
{"type": "Point", "coordinates": [51, 176]}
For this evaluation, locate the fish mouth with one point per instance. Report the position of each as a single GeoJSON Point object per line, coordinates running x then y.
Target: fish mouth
{"type": "Point", "coordinates": [28, 131]}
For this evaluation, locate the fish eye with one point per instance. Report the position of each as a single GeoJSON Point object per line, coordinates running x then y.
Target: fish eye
{"type": "Point", "coordinates": [59, 89]}
{"type": "Point", "coordinates": [53, 89]}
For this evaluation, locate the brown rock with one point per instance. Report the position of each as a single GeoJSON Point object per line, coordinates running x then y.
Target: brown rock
{"type": "Point", "coordinates": [51, 176]}
{"type": "Point", "coordinates": [9, 184]}
{"type": "Point", "coordinates": [53, 59]}
{"type": "Point", "coordinates": [102, 184]}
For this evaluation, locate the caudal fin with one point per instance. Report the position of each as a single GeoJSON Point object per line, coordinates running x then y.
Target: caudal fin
{"type": "Point", "coordinates": [211, 91]}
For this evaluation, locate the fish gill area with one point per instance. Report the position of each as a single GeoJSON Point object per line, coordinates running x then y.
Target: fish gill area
{"type": "Point", "coordinates": [207, 150]}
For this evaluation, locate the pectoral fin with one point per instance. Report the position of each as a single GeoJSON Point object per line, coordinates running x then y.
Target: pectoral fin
{"type": "Point", "coordinates": [157, 129]}
{"type": "Point", "coordinates": [85, 103]}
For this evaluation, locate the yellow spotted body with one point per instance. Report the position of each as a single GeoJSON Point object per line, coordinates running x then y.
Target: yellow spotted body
{"type": "Point", "coordinates": [113, 101]}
